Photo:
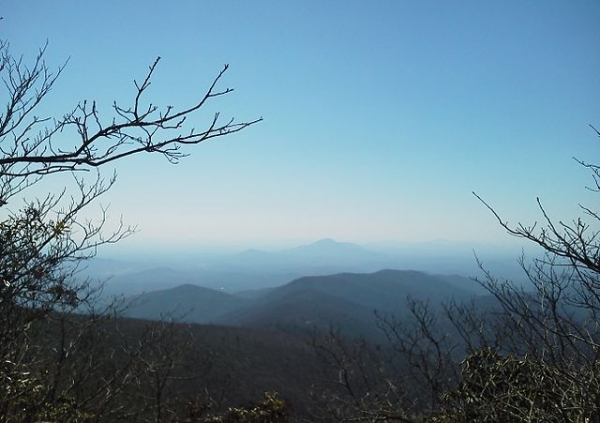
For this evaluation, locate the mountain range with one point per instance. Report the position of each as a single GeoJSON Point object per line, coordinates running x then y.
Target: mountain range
{"type": "Point", "coordinates": [347, 300]}
{"type": "Point", "coordinates": [256, 269]}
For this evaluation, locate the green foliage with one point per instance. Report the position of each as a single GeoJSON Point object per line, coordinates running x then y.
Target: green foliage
{"type": "Point", "coordinates": [33, 251]}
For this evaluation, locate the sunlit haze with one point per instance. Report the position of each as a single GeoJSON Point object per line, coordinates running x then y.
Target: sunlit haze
{"type": "Point", "coordinates": [380, 118]}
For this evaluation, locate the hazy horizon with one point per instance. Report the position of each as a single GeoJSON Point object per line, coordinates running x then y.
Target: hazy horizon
{"type": "Point", "coordinates": [177, 254]}
{"type": "Point", "coordinates": [380, 119]}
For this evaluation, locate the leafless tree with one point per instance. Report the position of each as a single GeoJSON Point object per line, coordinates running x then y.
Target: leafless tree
{"type": "Point", "coordinates": [44, 240]}
{"type": "Point", "coordinates": [524, 352]}
{"type": "Point", "coordinates": [359, 382]}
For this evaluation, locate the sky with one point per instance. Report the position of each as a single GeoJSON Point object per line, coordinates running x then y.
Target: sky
{"type": "Point", "coordinates": [380, 117]}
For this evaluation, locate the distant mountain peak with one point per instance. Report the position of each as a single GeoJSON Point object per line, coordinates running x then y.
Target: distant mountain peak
{"type": "Point", "coordinates": [252, 251]}
{"type": "Point", "coordinates": [326, 246]}
{"type": "Point", "coordinates": [327, 241]}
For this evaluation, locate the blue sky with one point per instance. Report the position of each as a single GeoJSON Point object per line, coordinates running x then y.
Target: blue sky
{"type": "Point", "coordinates": [380, 118]}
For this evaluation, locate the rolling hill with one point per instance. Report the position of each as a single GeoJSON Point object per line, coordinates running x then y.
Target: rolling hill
{"type": "Point", "coordinates": [345, 300]}
{"type": "Point", "coordinates": [188, 303]}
